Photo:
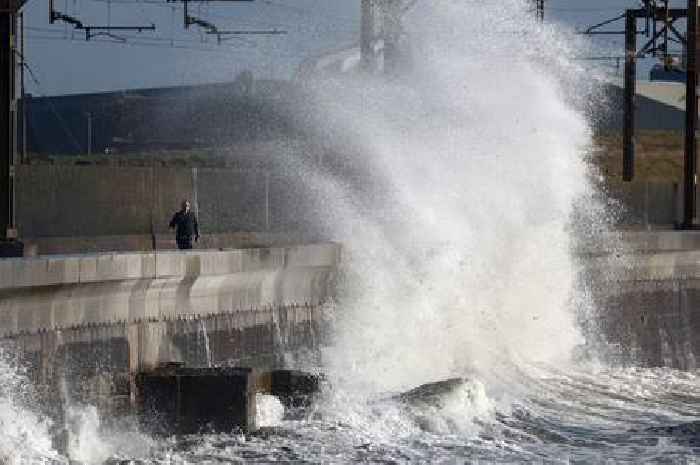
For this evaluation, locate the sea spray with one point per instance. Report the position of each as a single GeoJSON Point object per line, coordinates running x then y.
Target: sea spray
{"type": "Point", "coordinates": [453, 191]}
{"type": "Point", "coordinates": [92, 443]}
{"type": "Point", "coordinates": [24, 432]}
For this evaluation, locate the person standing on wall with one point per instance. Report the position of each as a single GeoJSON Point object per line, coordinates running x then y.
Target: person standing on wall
{"type": "Point", "coordinates": [186, 227]}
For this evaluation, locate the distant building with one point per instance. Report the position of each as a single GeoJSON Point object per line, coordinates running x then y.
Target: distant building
{"type": "Point", "coordinates": [168, 118]}
{"type": "Point", "coordinates": [660, 72]}
{"type": "Point", "coordinates": [660, 106]}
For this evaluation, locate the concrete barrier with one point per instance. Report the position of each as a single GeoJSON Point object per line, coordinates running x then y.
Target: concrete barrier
{"type": "Point", "coordinates": [41, 271]}
{"type": "Point", "coordinates": [629, 242]}
{"type": "Point", "coordinates": [94, 322]}
{"type": "Point", "coordinates": [39, 294]}
{"type": "Point", "coordinates": [648, 307]}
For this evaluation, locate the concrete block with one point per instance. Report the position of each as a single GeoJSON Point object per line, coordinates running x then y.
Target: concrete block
{"type": "Point", "coordinates": [62, 305]}
{"type": "Point", "coordinates": [294, 388]}
{"type": "Point", "coordinates": [192, 264]}
{"type": "Point", "coordinates": [327, 254]}
{"type": "Point", "coordinates": [7, 273]}
{"type": "Point", "coordinates": [152, 300]}
{"type": "Point", "coordinates": [204, 295]}
{"type": "Point", "coordinates": [234, 259]}
{"type": "Point", "coordinates": [33, 314]}
{"type": "Point", "coordinates": [247, 290]}
{"type": "Point", "coordinates": [90, 306]}
{"type": "Point", "coordinates": [133, 265]}
{"type": "Point", "coordinates": [8, 318]}
{"type": "Point", "coordinates": [297, 286]}
{"type": "Point", "coordinates": [114, 305]}
{"type": "Point", "coordinates": [169, 264]}
{"type": "Point", "coordinates": [137, 299]}
{"type": "Point", "coordinates": [88, 269]}
{"type": "Point", "coordinates": [31, 272]}
{"type": "Point", "coordinates": [148, 265]}
{"type": "Point", "coordinates": [166, 298]}
{"type": "Point", "coordinates": [185, 400]}
{"type": "Point", "coordinates": [262, 259]}
{"type": "Point", "coordinates": [111, 267]}
{"type": "Point", "coordinates": [214, 263]}
{"type": "Point", "coordinates": [63, 270]}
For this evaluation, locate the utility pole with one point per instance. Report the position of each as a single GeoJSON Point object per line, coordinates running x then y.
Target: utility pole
{"type": "Point", "coordinates": [380, 23]}
{"type": "Point", "coordinates": [392, 33]}
{"type": "Point", "coordinates": [691, 117]}
{"type": "Point", "coordinates": [630, 91]}
{"type": "Point", "coordinates": [22, 93]}
{"type": "Point", "coordinates": [89, 133]}
{"type": "Point", "coordinates": [539, 5]}
{"type": "Point", "coordinates": [9, 10]}
{"type": "Point", "coordinates": [368, 35]}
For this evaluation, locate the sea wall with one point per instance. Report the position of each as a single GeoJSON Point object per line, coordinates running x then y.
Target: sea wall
{"type": "Point", "coordinates": [647, 302]}
{"type": "Point", "coordinates": [91, 323]}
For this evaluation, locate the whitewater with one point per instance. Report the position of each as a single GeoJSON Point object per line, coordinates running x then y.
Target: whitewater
{"type": "Point", "coordinates": [459, 192]}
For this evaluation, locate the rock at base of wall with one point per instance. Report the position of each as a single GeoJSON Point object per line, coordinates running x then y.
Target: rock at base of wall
{"type": "Point", "coordinates": [177, 400]}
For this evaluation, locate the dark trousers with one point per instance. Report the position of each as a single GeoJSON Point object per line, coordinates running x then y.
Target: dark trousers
{"type": "Point", "coordinates": [184, 243]}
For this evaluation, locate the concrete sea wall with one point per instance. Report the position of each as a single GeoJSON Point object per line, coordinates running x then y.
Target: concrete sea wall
{"type": "Point", "coordinates": [647, 302]}
{"type": "Point", "coordinates": [93, 322]}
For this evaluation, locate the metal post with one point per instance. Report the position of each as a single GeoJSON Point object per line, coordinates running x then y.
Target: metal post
{"type": "Point", "coordinates": [23, 154]}
{"type": "Point", "coordinates": [540, 10]}
{"type": "Point", "coordinates": [367, 35]}
{"type": "Point", "coordinates": [629, 96]}
{"type": "Point", "coordinates": [267, 201]}
{"type": "Point", "coordinates": [691, 118]}
{"type": "Point", "coordinates": [89, 133]}
{"type": "Point", "coordinates": [195, 195]}
{"type": "Point", "coordinates": [392, 12]}
{"type": "Point", "coordinates": [7, 73]}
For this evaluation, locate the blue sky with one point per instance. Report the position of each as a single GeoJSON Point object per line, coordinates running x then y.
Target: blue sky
{"type": "Point", "coordinates": [63, 62]}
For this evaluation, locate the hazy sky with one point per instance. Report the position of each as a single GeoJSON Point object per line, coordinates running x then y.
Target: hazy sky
{"type": "Point", "coordinates": [63, 62]}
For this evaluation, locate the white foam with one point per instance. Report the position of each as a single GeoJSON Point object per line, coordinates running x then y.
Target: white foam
{"type": "Point", "coordinates": [457, 240]}
{"type": "Point", "coordinates": [91, 443]}
{"type": "Point", "coordinates": [24, 433]}
{"type": "Point", "coordinates": [269, 411]}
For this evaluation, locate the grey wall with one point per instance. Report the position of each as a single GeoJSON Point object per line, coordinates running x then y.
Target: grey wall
{"type": "Point", "coordinates": [96, 321]}
{"type": "Point", "coordinates": [649, 114]}
{"type": "Point", "coordinates": [653, 323]}
{"type": "Point", "coordinates": [104, 200]}
{"type": "Point", "coordinates": [647, 202]}
{"type": "Point", "coordinates": [647, 307]}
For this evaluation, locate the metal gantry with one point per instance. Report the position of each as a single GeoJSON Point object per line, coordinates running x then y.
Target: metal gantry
{"type": "Point", "coordinates": [92, 30]}
{"type": "Point", "coordinates": [659, 27]}
{"type": "Point", "coordinates": [691, 118]}
{"type": "Point", "coordinates": [9, 11]}
{"type": "Point", "coordinates": [211, 28]}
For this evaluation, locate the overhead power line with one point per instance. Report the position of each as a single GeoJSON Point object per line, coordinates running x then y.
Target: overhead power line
{"type": "Point", "coordinates": [92, 30]}
{"type": "Point", "coordinates": [212, 29]}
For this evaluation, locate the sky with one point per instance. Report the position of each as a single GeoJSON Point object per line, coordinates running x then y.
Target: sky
{"type": "Point", "coordinates": [62, 62]}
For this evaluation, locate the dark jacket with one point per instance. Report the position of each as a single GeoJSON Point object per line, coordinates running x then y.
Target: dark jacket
{"type": "Point", "coordinates": [185, 224]}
